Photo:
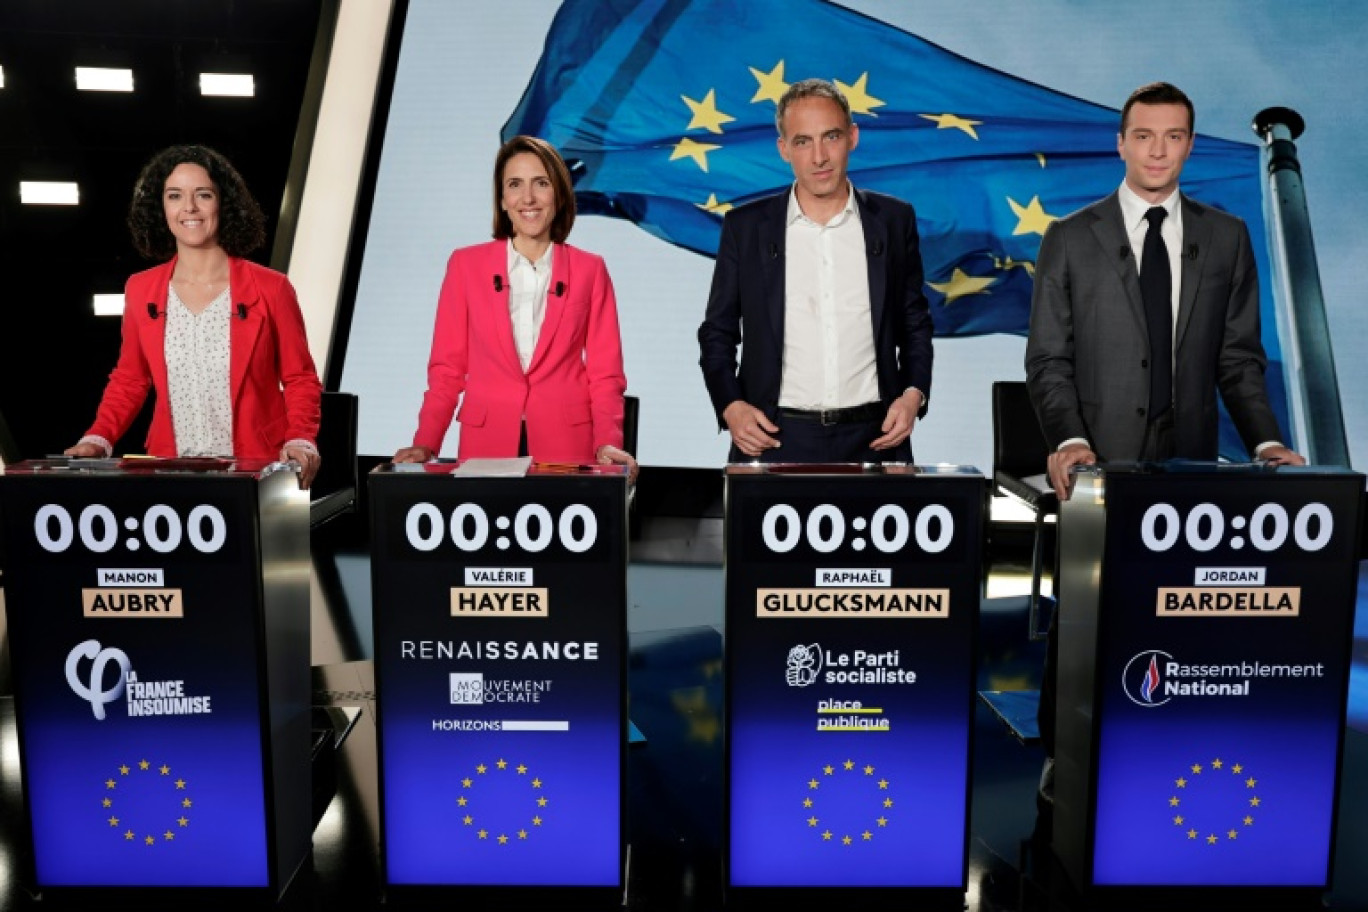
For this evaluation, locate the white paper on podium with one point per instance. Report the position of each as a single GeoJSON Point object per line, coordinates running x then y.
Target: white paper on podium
{"type": "Point", "coordinates": [515, 467]}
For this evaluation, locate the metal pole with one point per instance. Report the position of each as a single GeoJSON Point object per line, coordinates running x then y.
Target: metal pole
{"type": "Point", "coordinates": [1313, 388]}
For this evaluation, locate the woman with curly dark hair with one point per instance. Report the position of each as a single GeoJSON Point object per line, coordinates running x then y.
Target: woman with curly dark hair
{"type": "Point", "coordinates": [218, 337]}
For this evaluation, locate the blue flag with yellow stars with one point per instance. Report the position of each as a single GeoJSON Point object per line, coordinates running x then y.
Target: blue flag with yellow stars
{"type": "Point", "coordinates": [665, 111]}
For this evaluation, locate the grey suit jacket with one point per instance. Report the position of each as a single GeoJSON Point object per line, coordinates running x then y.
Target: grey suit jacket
{"type": "Point", "coordinates": [1087, 356]}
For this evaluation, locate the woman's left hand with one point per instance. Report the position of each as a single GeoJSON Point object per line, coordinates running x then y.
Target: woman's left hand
{"type": "Point", "coordinates": [608, 455]}
{"type": "Point", "coordinates": [308, 463]}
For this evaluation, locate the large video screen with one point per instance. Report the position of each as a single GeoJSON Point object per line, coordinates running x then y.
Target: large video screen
{"type": "Point", "coordinates": [991, 117]}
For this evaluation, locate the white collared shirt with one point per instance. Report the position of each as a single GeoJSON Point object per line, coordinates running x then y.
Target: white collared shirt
{"type": "Point", "coordinates": [527, 286]}
{"type": "Point", "coordinates": [1133, 210]}
{"type": "Point", "coordinates": [828, 356]}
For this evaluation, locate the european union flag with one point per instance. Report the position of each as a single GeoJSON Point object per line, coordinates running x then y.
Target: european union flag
{"type": "Point", "coordinates": [665, 111]}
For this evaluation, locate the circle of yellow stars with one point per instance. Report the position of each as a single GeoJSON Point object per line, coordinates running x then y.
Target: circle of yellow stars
{"type": "Point", "coordinates": [882, 788]}
{"type": "Point", "coordinates": [1189, 778]}
{"type": "Point", "coordinates": [111, 803]}
{"type": "Point", "coordinates": [469, 785]}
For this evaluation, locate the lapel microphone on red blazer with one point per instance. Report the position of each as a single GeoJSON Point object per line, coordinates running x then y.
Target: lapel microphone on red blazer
{"type": "Point", "coordinates": [242, 311]}
{"type": "Point", "coordinates": [498, 282]}
{"type": "Point", "coordinates": [152, 310]}
{"type": "Point", "coordinates": [560, 289]}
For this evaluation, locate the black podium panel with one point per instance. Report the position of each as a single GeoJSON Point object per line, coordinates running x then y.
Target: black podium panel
{"type": "Point", "coordinates": [160, 642]}
{"type": "Point", "coordinates": [1206, 624]}
{"type": "Point", "coordinates": [500, 631]}
{"type": "Point", "coordinates": [852, 607]}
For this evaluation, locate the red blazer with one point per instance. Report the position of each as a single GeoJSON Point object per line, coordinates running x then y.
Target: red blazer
{"type": "Point", "coordinates": [267, 351]}
{"type": "Point", "coordinates": [571, 393]}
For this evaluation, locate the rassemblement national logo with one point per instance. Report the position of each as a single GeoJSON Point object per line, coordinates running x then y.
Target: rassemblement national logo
{"type": "Point", "coordinates": [1142, 678]}
{"type": "Point", "coordinates": [1153, 678]}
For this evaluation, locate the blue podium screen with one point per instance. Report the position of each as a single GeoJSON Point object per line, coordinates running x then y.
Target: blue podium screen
{"type": "Point", "coordinates": [137, 686]}
{"type": "Point", "coordinates": [1225, 613]}
{"type": "Point", "coordinates": [851, 609]}
{"type": "Point", "coordinates": [500, 654]}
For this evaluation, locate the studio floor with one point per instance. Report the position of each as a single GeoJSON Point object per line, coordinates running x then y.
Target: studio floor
{"type": "Point", "coordinates": [675, 593]}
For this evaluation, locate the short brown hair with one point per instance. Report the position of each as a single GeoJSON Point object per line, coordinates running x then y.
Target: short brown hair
{"type": "Point", "coordinates": [1157, 93]}
{"type": "Point", "coordinates": [810, 88]}
{"type": "Point", "coordinates": [242, 226]}
{"type": "Point", "coordinates": [560, 185]}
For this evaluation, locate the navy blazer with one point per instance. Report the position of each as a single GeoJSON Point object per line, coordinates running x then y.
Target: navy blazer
{"type": "Point", "coordinates": [748, 296]}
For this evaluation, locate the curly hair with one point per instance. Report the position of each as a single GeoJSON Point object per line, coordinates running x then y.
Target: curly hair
{"type": "Point", "coordinates": [242, 226]}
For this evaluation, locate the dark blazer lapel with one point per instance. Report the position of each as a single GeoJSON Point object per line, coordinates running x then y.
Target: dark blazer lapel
{"type": "Point", "coordinates": [876, 249]}
{"type": "Point", "coordinates": [772, 233]}
{"type": "Point", "coordinates": [1196, 245]}
{"type": "Point", "coordinates": [1110, 230]}
{"type": "Point", "coordinates": [245, 323]}
{"type": "Point", "coordinates": [555, 305]}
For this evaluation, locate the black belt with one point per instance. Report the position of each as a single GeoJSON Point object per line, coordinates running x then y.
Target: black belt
{"type": "Point", "coordinates": [870, 411]}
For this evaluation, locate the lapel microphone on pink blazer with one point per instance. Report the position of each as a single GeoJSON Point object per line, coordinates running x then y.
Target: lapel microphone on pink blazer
{"type": "Point", "coordinates": [558, 291]}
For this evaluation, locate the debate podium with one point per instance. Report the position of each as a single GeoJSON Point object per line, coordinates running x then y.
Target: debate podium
{"type": "Point", "coordinates": [852, 600]}
{"type": "Point", "coordinates": [1206, 616]}
{"type": "Point", "coordinates": [159, 633]}
{"type": "Point", "coordinates": [501, 661]}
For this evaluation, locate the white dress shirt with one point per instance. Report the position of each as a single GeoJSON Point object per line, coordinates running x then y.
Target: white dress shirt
{"type": "Point", "coordinates": [829, 359]}
{"type": "Point", "coordinates": [527, 286]}
{"type": "Point", "coordinates": [1133, 210]}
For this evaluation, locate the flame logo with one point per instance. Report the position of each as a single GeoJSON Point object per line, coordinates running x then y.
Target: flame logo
{"type": "Point", "coordinates": [1151, 682]}
{"type": "Point", "coordinates": [1141, 679]}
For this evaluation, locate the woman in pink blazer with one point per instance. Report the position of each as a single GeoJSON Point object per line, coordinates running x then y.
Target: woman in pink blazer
{"type": "Point", "coordinates": [526, 331]}
{"type": "Point", "coordinates": [220, 339]}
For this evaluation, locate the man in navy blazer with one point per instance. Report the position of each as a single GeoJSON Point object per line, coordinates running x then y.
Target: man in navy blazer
{"type": "Point", "coordinates": [825, 284]}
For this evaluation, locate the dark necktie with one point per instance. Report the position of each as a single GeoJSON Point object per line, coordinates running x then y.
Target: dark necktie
{"type": "Point", "coordinates": [1156, 288]}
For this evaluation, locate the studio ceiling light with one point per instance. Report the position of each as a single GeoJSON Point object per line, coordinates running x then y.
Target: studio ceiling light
{"type": "Point", "coordinates": [236, 84]}
{"type": "Point", "coordinates": [104, 79]}
{"type": "Point", "coordinates": [49, 193]}
{"type": "Point", "coordinates": [108, 305]}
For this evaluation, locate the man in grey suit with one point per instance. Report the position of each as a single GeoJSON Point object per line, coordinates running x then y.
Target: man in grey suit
{"type": "Point", "coordinates": [1146, 304]}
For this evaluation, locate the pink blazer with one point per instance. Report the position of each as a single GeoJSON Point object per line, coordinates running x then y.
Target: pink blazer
{"type": "Point", "coordinates": [571, 393]}
{"type": "Point", "coordinates": [267, 351]}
